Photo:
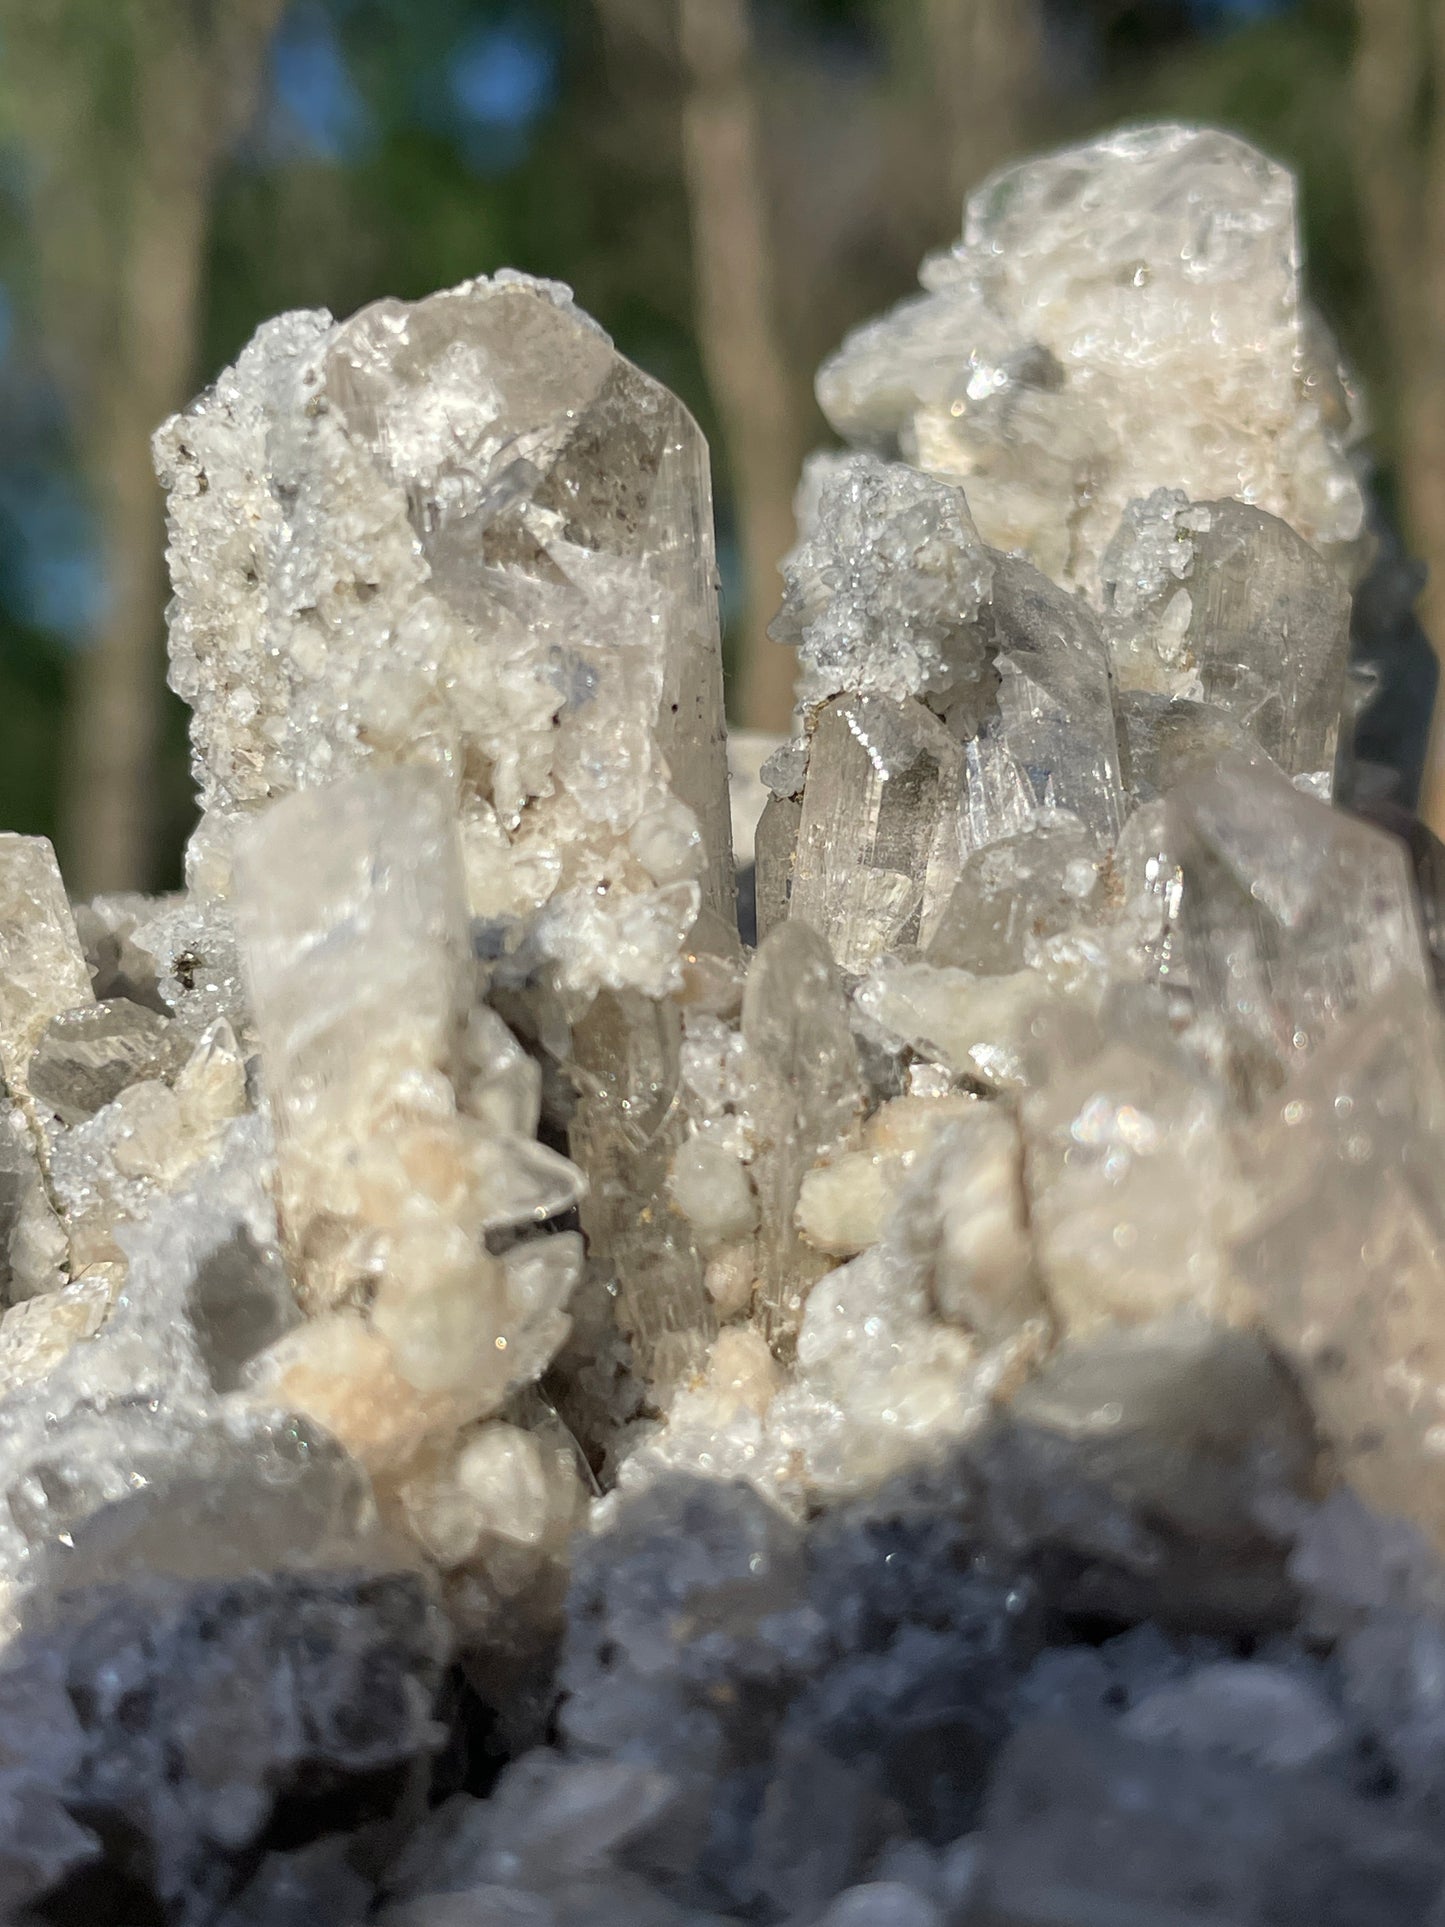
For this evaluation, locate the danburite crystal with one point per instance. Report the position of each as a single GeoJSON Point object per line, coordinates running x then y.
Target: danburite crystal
{"type": "Point", "coordinates": [881, 596]}
{"type": "Point", "coordinates": [466, 532]}
{"type": "Point", "coordinates": [748, 750]}
{"type": "Point", "coordinates": [352, 916]}
{"type": "Point", "coordinates": [1053, 743]}
{"type": "Point", "coordinates": [1088, 285]}
{"type": "Point", "coordinates": [1015, 893]}
{"type": "Point", "coordinates": [33, 1246]}
{"type": "Point", "coordinates": [36, 1332]}
{"type": "Point", "coordinates": [628, 1127]}
{"type": "Point", "coordinates": [1220, 601]}
{"type": "Point", "coordinates": [1165, 740]}
{"type": "Point", "coordinates": [108, 1169]}
{"type": "Point", "coordinates": [976, 697]}
{"type": "Point", "coordinates": [118, 967]}
{"type": "Point", "coordinates": [775, 854]}
{"type": "Point", "coordinates": [86, 1057]}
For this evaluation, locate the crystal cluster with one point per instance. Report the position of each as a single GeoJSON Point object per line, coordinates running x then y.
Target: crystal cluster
{"type": "Point", "coordinates": [518, 1407]}
{"type": "Point", "coordinates": [1118, 318]}
{"type": "Point", "coordinates": [465, 533]}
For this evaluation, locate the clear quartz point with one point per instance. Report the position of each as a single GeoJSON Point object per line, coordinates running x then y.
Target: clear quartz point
{"type": "Point", "coordinates": [878, 836]}
{"type": "Point", "coordinates": [43, 971]}
{"type": "Point", "coordinates": [1165, 740]}
{"type": "Point", "coordinates": [1220, 601]}
{"type": "Point", "coordinates": [625, 1132]}
{"type": "Point", "coordinates": [1053, 743]}
{"type": "Point", "coordinates": [806, 1094]}
{"type": "Point", "coordinates": [352, 915]}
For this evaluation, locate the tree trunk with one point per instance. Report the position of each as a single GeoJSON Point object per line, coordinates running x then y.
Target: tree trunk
{"type": "Point", "coordinates": [195, 87]}
{"type": "Point", "coordinates": [986, 59]}
{"type": "Point", "coordinates": [738, 332]}
{"type": "Point", "coordinates": [116, 709]}
{"type": "Point", "coordinates": [1400, 61]}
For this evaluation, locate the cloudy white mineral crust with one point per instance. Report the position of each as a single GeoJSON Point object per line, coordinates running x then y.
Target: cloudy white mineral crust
{"type": "Point", "coordinates": [1089, 285]}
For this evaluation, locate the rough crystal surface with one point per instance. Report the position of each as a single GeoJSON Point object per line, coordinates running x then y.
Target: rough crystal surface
{"type": "Point", "coordinates": [882, 590]}
{"type": "Point", "coordinates": [42, 966]}
{"type": "Point", "coordinates": [1345, 1245]}
{"type": "Point", "coordinates": [198, 1724]}
{"type": "Point", "coordinates": [352, 915]}
{"type": "Point", "coordinates": [961, 1444]}
{"type": "Point", "coordinates": [795, 1027]}
{"type": "Point", "coordinates": [466, 532]}
{"type": "Point", "coordinates": [877, 849]}
{"type": "Point", "coordinates": [1087, 284]}
{"type": "Point", "coordinates": [1292, 915]}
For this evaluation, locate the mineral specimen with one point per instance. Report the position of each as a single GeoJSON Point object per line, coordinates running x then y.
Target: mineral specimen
{"type": "Point", "coordinates": [959, 1439]}
{"type": "Point", "coordinates": [1088, 284]}
{"type": "Point", "coordinates": [466, 532]}
{"type": "Point", "coordinates": [1243, 613]}
{"type": "Point", "coordinates": [990, 705]}
{"type": "Point", "coordinates": [1292, 916]}
{"type": "Point", "coordinates": [42, 967]}
{"type": "Point", "coordinates": [174, 1733]}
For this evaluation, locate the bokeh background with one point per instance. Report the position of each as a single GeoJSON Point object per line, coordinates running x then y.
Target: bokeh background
{"type": "Point", "coordinates": [727, 184]}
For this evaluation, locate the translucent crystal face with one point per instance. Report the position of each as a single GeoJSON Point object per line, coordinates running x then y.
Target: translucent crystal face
{"type": "Point", "coordinates": [1221, 602]}
{"type": "Point", "coordinates": [467, 532]}
{"type": "Point", "coordinates": [1088, 285]}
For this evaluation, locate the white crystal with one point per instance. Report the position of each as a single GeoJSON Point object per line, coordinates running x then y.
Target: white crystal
{"type": "Point", "coordinates": [1088, 284]}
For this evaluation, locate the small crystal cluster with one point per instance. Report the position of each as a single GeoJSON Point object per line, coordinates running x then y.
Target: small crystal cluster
{"type": "Point", "coordinates": [516, 1407]}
